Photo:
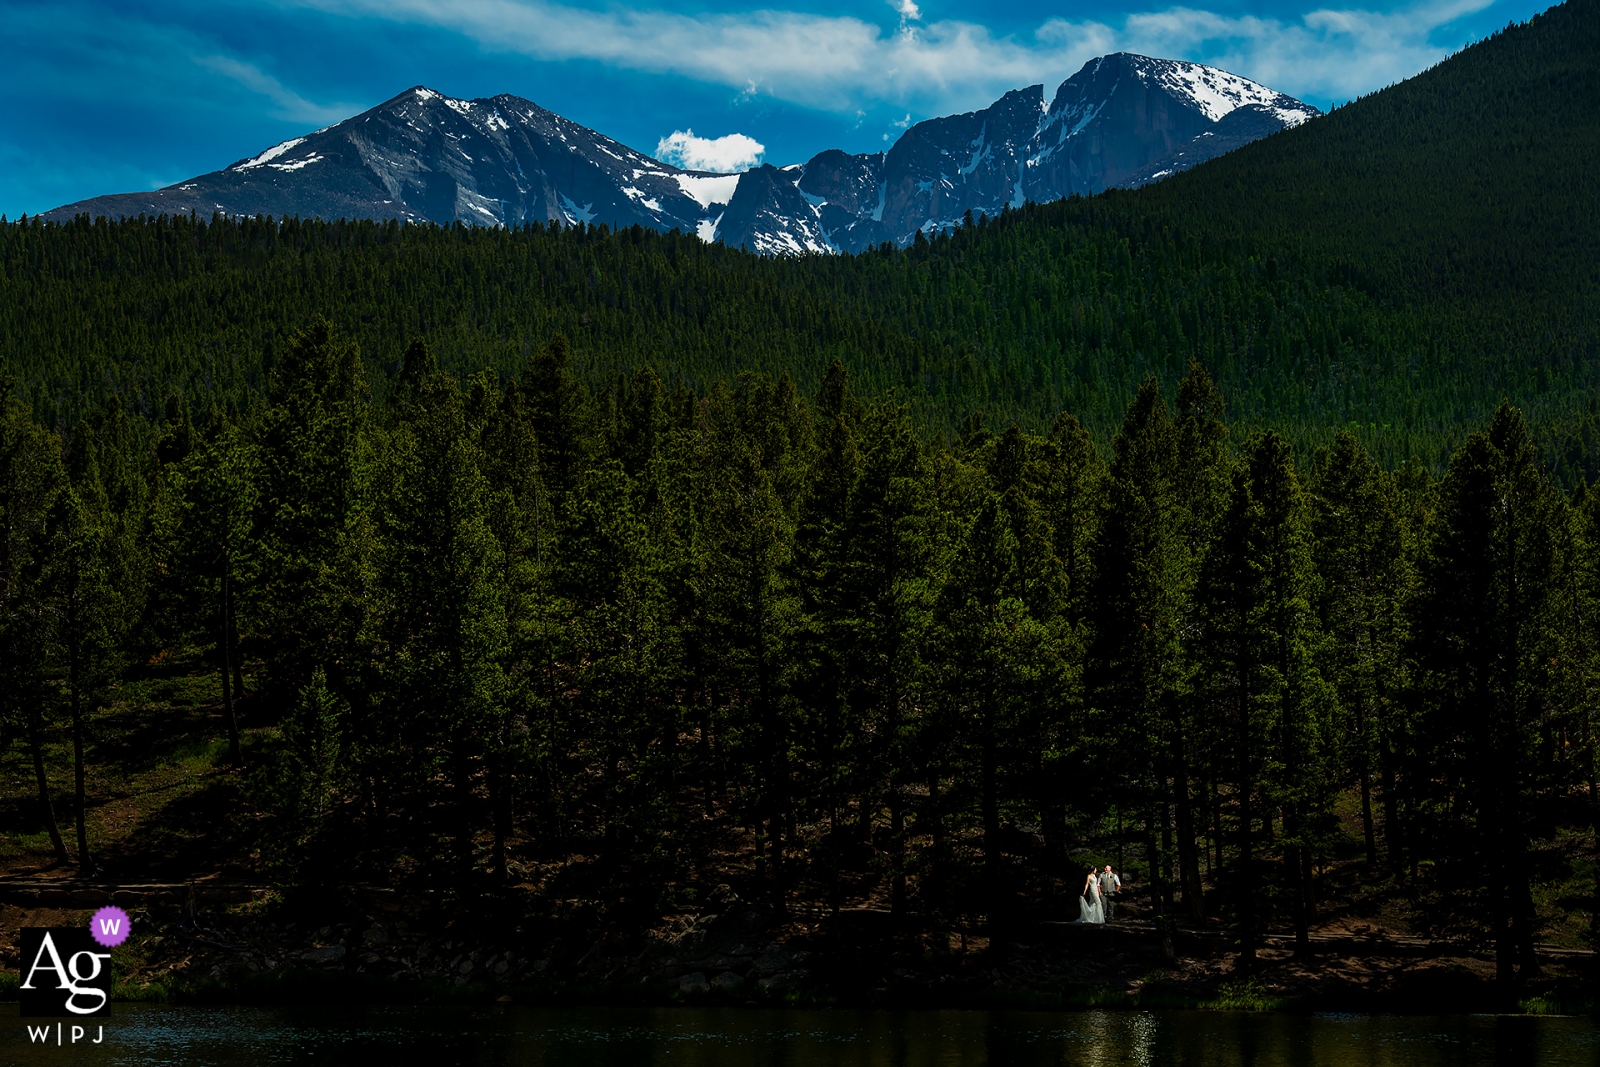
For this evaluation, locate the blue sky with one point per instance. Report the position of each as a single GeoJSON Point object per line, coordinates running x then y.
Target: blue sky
{"type": "Point", "coordinates": [105, 97]}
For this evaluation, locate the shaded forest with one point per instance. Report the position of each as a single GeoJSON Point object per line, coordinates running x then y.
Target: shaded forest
{"type": "Point", "coordinates": [1200, 522]}
{"type": "Point", "coordinates": [1395, 269]}
{"type": "Point", "coordinates": [505, 626]}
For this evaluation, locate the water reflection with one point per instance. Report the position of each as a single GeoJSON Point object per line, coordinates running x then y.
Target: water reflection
{"type": "Point", "coordinates": [147, 1035]}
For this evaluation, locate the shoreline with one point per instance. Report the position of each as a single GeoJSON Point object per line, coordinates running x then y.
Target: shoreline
{"type": "Point", "coordinates": [222, 945]}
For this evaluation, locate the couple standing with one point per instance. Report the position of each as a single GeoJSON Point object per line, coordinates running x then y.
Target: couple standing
{"type": "Point", "coordinates": [1099, 895]}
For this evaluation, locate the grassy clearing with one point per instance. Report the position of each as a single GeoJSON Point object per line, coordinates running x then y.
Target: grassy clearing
{"type": "Point", "coordinates": [157, 781]}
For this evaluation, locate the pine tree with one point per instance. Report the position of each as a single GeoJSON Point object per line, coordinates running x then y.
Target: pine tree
{"type": "Point", "coordinates": [1256, 645]}
{"type": "Point", "coordinates": [1483, 639]}
{"type": "Point", "coordinates": [308, 490]}
{"type": "Point", "coordinates": [1135, 670]}
{"type": "Point", "coordinates": [93, 589]}
{"type": "Point", "coordinates": [750, 475]}
{"type": "Point", "coordinates": [31, 481]}
{"type": "Point", "coordinates": [442, 623]}
{"type": "Point", "coordinates": [824, 643]}
{"type": "Point", "coordinates": [301, 782]}
{"type": "Point", "coordinates": [559, 408]}
{"type": "Point", "coordinates": [1201, 489]}
{"type": "Point", "coordinates": [887, 550]}
{"type": "Point", "coordinates": [216, 547]}
{"type": "Point", "coordinates": [1364, 572]}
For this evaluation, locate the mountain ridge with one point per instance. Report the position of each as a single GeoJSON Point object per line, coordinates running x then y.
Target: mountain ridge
{"type": "Point", "coordinates": [1133, 119]}
{"type": "Point", "coordinates": [1389, 268]}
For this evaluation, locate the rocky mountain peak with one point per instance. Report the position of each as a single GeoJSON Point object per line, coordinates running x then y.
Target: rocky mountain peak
{"type": "Point", "coordinates": [1122, 120]}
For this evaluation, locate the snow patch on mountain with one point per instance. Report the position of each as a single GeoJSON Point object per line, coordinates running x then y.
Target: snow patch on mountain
{"type": "Point", "coordinates": [270, 154]}
{"type": "Point", "coordinates": [1121, 120]}
{"type": "Point", "coordinates": [707, 189]}
{"type": "Point", "coordinates": [298, 163]}
{"type": "Point", "coordinates": [574, 213]}
{"type": "Point", "coordinates": [1217, 92]}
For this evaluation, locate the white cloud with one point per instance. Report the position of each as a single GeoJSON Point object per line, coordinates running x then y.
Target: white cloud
{"type": "Point", "coordinates": [1327, 52]}
{"type": "Point", "coordinates": [291, 105]}
{"type": "Point", "coordinates": [841, 63]}
{"type": "Point", "coordinates": [909, 12]}
{"type": "Point", "coordinates": [722, 154]}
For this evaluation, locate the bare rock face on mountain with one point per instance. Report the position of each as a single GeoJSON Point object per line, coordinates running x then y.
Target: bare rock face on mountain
{"type": "Point", "coordinates": [944, 167]}
{"type": "Point", "coordinates": [1121, 121]}
{"type": "Point", "coordinates": [769, 214]}
{"type": "Point", "coordinates": [847, 193]}
{"type": "Point", "coordinates": [1119, 114]}
{"type": "Point", "coordinates": [423, 156]}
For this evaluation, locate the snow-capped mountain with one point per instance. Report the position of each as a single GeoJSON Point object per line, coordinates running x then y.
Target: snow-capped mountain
{"type": "Point", "coordinates": [426, 156]}
{"type": "Point", "coordinates": [1123, 120]}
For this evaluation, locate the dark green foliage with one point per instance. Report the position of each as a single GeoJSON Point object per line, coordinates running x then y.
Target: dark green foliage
{"type": "Point", "coordinates": [1362, 556]}
{"type": "Point", "coordinates": [548, 568]}
{"type": "Point", "coordinates": [31, 481]}
{"type": "Point", "coordinates": [1395, 268]}
{"type": "Point", "coordinates": [1486, 634]}
{"type": "Point", "coordinates": [862, 657]}
{"type": "Point", "coordinates": [298, 785]}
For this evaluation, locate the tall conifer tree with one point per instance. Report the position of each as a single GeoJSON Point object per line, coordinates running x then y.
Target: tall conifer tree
{"type": "Point", "coordinates": [1483, 640]}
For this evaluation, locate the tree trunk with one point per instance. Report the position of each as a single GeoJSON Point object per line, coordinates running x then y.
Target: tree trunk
{"type": "Point", "coordinates": [835, 849]}
{"type": "Point", "coordinates": [1188, 854]}
{"type": "Point", "coordinates": [897, 814]}
{"type": "Point", "coordinates": [1523, 920]}
{"type": "Point", "coordinates": [233, 640]}
{"type": "Point", "coordinates": [991, 829]}
{"type": "Point", "coordinates": [1168, 907]}
{"type": "Point", "coordinates": [1393, 846]}
{"type": "Point", "coordinates": [227, 668]}
{"type": "Point", "coordinates": [1367, 833]}
{"type": "Point", "coordinates": [897, 851]}
{"type": "Point", "coordinates": [1245, 880]}
{"type": "Point", "coordinates": [85, 861]}
{"type": "Point", "coordinates": [835, 857]}
{"type": "Point", "coordinates": [1216, 823]}
{"type": "Point", "coordinates": [500, 800]}
{"type": "Point", "coordinates": [46, 809]}
{"type": "Point", "coordinates": [1500, 910]}
{"type": "Point", "coordinates": [1594, 905]}
{"type": "Point", "coordinates": [462, 773]}
{"type": "Point", "coordinates": [1297, 858]}
{"type": "Point", "coordinates": [775, 827]}
{"type": "Point", "coordinates": [1160, 886]}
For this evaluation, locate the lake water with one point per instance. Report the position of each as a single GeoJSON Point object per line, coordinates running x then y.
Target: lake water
{"type": "Point", "coordinates": [139, 1035]}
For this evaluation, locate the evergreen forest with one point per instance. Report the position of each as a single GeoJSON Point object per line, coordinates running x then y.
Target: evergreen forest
{"type": "Point", "coordinates": [505, 626]}
{"type": "Point", "coordinates": [1396, 268]}
{"type": "Point", "coordinates": [1200, 523]}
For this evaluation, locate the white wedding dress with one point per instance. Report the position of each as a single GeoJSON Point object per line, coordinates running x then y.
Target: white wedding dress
{"type": "Point", "coordinates": [1090, 910]}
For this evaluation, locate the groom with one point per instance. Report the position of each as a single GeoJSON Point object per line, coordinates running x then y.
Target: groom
{"type": "Point", "coordinates": [1109, 884]}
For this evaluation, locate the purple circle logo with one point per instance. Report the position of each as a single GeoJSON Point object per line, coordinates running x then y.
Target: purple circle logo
{"type": "Point", "coordinates": [110, 926]}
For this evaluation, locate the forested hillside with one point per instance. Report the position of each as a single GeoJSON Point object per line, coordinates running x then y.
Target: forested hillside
{"type": "Point", "coordinates": [1396, 268]}
{"type": "Point", "coordinates": [619, 648]}
{"type": "Point", "coordinates": [613, 564]}
{"type": "Point", "coordinates": [1473, 183]}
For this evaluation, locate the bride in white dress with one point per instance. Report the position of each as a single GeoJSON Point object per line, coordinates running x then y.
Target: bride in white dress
{"type": "Point", "coordinates": [1090, 910]}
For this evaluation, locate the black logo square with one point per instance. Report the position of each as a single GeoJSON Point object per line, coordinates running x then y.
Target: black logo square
{"type": "Point", "coordinates": [65, 974]}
